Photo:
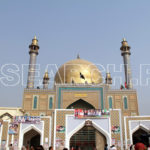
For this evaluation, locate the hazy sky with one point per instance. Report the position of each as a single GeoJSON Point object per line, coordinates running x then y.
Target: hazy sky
{"type": "Point", "coordinates": [64, 28]}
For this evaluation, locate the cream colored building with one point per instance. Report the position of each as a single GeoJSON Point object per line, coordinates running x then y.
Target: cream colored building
{"type": "Point", "coordinates": [78, 86]}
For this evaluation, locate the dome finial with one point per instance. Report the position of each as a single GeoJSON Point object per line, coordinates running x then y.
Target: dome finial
{"type": "Point", "coordinates": [123, 39]}
{"type": "Point", "coordinates": [124, 42]}
{"type": "Point", "coordinates": [78, 56]}
{"type": "Point", "coordinates": [34, 41]}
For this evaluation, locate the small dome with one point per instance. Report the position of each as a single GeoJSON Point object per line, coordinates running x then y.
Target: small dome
{"type": "Point", "coordinates": [78, 71]}
{"type": "Point", "coordinates": [124, 42]}
{"type": "Point", "coordinates": [46, 75]}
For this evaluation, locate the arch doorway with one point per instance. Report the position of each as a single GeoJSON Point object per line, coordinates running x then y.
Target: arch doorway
{"type": "Point", "coordinates": [140, 136]}
{"type": "Point", "coordinates": [80, 104]}
{"type": "Point", "coordinates": [88, 138]}
{"type": "Point", "coordinates": [31, 138]}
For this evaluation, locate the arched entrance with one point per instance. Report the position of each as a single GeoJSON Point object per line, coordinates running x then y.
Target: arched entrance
{"type": "Point", "coordinates": [88, 138]}
{"type": "Point", "coordinates": [80, 104]}
{"type": "Point", "coordinates": [141, 135]}
{"type": "Point", "coordinates": [31, 138]}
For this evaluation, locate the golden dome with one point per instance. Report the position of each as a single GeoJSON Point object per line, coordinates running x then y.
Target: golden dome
{"type": "Point", "coordinates": [78, 71]}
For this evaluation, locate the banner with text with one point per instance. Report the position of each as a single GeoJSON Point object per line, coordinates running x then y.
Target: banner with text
{"type": "Point", "coordinates": [94, 113]}
{"type": "Point", "coordinates": [27, 119]}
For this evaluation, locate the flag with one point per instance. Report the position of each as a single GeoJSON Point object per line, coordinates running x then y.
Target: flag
{"type": "Point", "coordinates": [121, 87]}
{"type": "Point", "coordinates": [125, 85]}
{"type": "Point", "coordinates": [82, 76]}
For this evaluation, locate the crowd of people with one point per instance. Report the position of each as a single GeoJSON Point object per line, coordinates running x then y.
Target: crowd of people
{"type": "Point", "coordinates": [40, 147]}
{"type": "Point", "coordinates": [137, 146]}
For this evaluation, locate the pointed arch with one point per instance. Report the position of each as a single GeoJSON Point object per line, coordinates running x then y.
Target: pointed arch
{"type": "Point", "coordinates": [6, 114]}
{"type": "Point", "coordinates": [30, 128]}
{"type": "Point", "coordinates": [31, 138]}
{"type": "Point", "coordinates": [80, 104]}
{"type": "Point", "coordinates": [97, 127]}
{"type": "Point", "coordinates": [141, 134]}
{"type": "Point", "coordinates": [27, 129]}
{"type": "Point", "coordinates": [141, 126]}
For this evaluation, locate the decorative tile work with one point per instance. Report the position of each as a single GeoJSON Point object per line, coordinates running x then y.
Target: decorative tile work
{"type": "Point", "coordinates": [61, 114]}
{"type": "Point", "coordinates": [46, 127]}
{"type": "Point", "coordinates": [43, 96]}
{"type": "Point", "coordinates": [5, 131]}
{"type": "Point", "coordinates": [27, 96]}
{"type": "Point", "coordinates": [132, 97]}
{"type": "Point", "coordinates": [100, 89]}
{"type": "Point", "coordinates": [43, 104]}
{"type": "Point", "coordinates": [141, 120]}
{"type": "Point", "coordinates": [17, 135]}
{"type": "Point", "coordinates": [115, 122]}
{"type": "Point", "coordinates": [117, 97]}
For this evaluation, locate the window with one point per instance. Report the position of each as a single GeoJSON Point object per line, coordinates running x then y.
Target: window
{"type": "Point", "coordinates": [110, 102]}
{"type": "Point", "coordinates": [50, 102]}
{"type": "Point", "coordinates": [35, 101]}
{"type": "Point", "coordinates": [125, 103]}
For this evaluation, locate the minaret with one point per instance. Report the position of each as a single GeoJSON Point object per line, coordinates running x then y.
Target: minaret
{"type": "Point", "coordinates": [125, 52]}
{"type": "Point", "coordinates": [45, 80]}
{"type": "Point", "coordinates": [108, 79]}
{"type": "Point", "coordinates": [78, 56]}
{"type": "Point", "coordinates": [34, 47]}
